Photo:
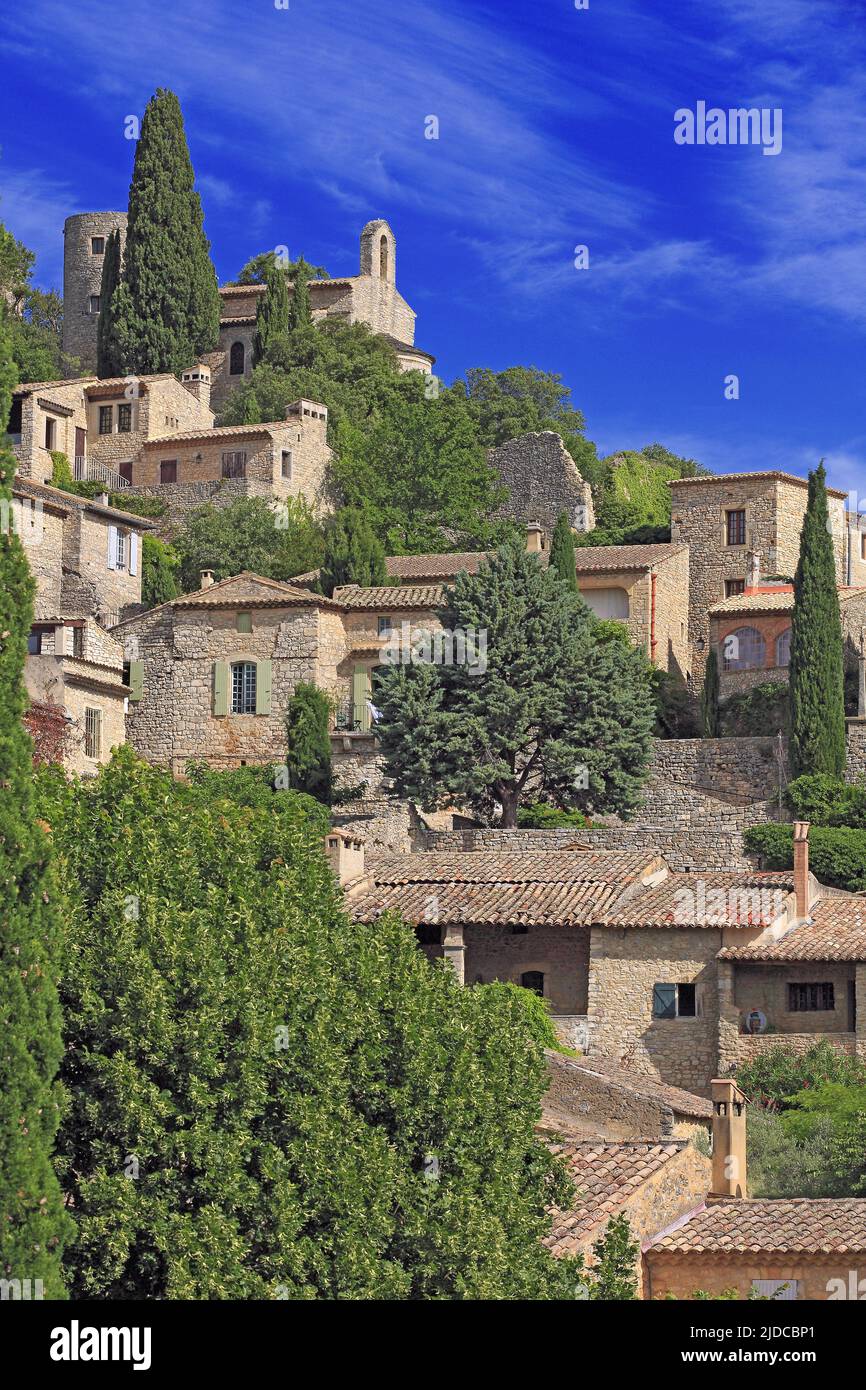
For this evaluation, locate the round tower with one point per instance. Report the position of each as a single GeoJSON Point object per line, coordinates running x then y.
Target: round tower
{"type": "Point", "coordinates": [85, 237]}
{"type": "Point", "coordinates": [379, 251]}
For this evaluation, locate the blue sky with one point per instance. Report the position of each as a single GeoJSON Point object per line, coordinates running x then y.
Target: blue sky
{"type": "Point", "coordinates": [555, 130]}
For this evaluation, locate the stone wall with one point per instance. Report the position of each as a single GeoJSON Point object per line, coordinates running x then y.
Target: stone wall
{"type": "Point", "coordinates": [682, 849]}
{"type": "Point", "coordinates": [856, 768]}
{"type": "Point", "coordinates": [85, 559]}
{"type": "Point", "coordinates": [601, 1105]}
{"type": "Point", "coordinates": [66, 405]}
{"type": "Point", "coordinates": [542, 480]}
{"type": "Point", "coordinates": [560, 953]}
{"type": "Point", "coordinates": [41, 530]}
{"type": "Point", "coordinates": [82, 277]}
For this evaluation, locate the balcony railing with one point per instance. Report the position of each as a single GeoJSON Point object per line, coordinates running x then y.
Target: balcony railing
{"type": "Point", "coordinates": [87, 471]}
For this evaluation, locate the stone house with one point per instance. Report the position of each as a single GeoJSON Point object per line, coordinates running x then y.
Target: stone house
{"type": "Point", "coordinates": [646, 587]}
{"type": "Point", "coordinates": [599, 1098]}
{"type": "Point", "coordinates": [542, 480]}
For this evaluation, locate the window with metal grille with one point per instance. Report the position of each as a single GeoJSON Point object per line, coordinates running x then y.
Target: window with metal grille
{"type": "Point", "coordinates": [124, 419]}
{"type": "Point", "coordinates": [105, 418]}
{"type": "Point", "coordinates": [810, 998]}
{"type": "Point", "coordinates": [736, 527]}
{"type": "Point", "coordinates": [93, 733]}
{"type": "Point", "coordinates": [234, 464]}
{"type": "Point", "coordinates": [743, 650]}
{"type": "Point", "coordinates": [244, 687]}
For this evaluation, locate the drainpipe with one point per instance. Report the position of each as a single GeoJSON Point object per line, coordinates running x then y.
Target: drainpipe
{"type": "Point", "coordinates": [653, 578]}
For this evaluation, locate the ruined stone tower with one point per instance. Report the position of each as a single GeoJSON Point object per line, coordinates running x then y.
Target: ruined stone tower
{"type": "Point", "coordinates": [85, 237]}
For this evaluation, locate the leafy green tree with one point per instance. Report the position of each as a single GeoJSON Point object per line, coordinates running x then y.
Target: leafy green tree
{"type": "Point", "coordinates": [299, 311]}
{"type": "Point", "coordinates": [251, 412]}
{"type": "Point", "coordinates": [33, 317]}
{"type": "Point", "coordinates": [353, 555]}
{"type": "Point", "coordinates": [816, 672]}
{"type": "Point", "coordinates": [308, 743]}
{"type": "Point", "coordinates": [710, 697]}
{"type": "Point", "coordinates": [159, 565]}
{"type": "Point", "coordinates": [108, 355]}
{"type": "Point", "coordinates": [270, 1100]}
{"type": "Point", "coordinates": [541, 707]}
{"type": "Point", "coordinates": [255, 272]}
{"type": "Point", "coordinates": [525, 400]}
{"type": "Point", "coordinates": [249, 534]}
{"type": "Point", "coordinates": [614, 1275]}
{"type": "Point", "coordinates": [165, 311]}
{"type": "Point", "coordinates": [8, 371]}
{"type": "Point", "coordinates": [272, 314]}
{"type": "Point", "coordinates": [16, 268]}
{"type": "Point", "coordinates": [34, 1225]}
{"type": "Point", "coordinates": [562, 551]}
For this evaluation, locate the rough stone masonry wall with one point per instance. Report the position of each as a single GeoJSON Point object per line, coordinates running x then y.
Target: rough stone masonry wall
{"type": "Point", "coordinates": [542, 480]}
{"type": "Point", "coordinates": [43, 543]}
{"type": "Point", "coordinates": [682, 849]}
{"type": "Point", "coordinates": [560, 953]}
{"type": "Point", "coordinates": [82, 277]}
{"type": "Point", "coordinates": [599, 1105]}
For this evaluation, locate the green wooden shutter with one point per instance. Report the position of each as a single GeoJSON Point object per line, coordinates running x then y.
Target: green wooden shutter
{"type": "Point", "coordinates": [360, 696]}
{"type": "Point", "coordinates": [220, 687]}
{"type": "Point", "coordinates": [136, 679]}
{"type": "Point", "coordinates": [664, 1001]}
{"type": "Point", "coordinates": [263, 687]}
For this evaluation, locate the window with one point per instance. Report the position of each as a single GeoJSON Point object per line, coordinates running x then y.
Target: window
{"type": "Point", "coordinates": [50, 432]}
{"type": "Point", "coordinates": [106, 419]}
{"type": "Point", "coordinates": [124, 419]}
{"type": "Point", "coordinates": [811, 999]}
{"type": "Point", "coordinates": [743, 650]}
{"type": "Point", "coordinates": [244, 687]}
{"type": "Point", "coordinates": [607, 603]}
{"type": "Point", "coordinates": [97, 245]}
{"type": "Point", "coordinates": [383, 257]}
{"type": "Point", "coordinates": [286, 463]}
{"type": "Point", "coordinates": [94, 304]}
{"type": "Point", "coordinates": [236, 359]}
{"type": "Point", "coordinates": [78, 641]}
{"type": "Point", "coordinates": [676, 1001]}
{"type": "Point", "coordinates": [245, 622]}
{"type": "Point", "coordinates": [34, 644]}
{"type": "Point", "coordinates": [125, 470]}
{"type": "Point", "coordinates": [120, 553]}
{"type": "Point", "coordinates": [783, 648]}
{"type": "Point", "coordinates": [234, 465]}
{"type": "Point", "coordinates": [384, 627]}
{"type": "Point", "coordinates": [734, 586]}
{"type": "Point", "coordinates": [736, 527]}
{"type": "Point", "coordinates": [863, 545]}
{"type": "Point", "coordinates": [168, 471]}
{"type": "Point", "coordinates": [93, 733]}
{"type": "Point", "coordinates": [534, 980]}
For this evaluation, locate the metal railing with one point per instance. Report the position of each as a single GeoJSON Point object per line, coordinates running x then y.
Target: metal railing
{"type": "Point", "coordinates": [85, 470]}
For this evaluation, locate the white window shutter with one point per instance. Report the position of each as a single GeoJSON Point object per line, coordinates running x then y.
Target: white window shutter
{"type": "Point", "coordinates": [133, 553]}
{"type": "Point", "coordinates": [112, 547]}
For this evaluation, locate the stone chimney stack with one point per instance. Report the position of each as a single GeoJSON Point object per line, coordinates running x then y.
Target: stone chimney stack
{"type": "Point", "coordinates": [801, 867]}
{"type": "Point", "coordinates": [729, 1140]}
{"type": "Point", "coordinates": [345, 852]}
{"type": "Point", "coordinates": [534, 538]}
{"type": "Point", "coordinates": [197, 382]}
{"type": "Point", "coordinates": [206, 578]}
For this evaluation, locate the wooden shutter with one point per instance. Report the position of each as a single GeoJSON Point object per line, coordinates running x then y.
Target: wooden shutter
{"type": "Point", "coordinates": [112, 547]}
{"type": "Point", "coordinates": [360, 696]}
{"type": "Point", "coordinates": [220, 687]}
{"type": "Point", "coordinates": [263, 687]}
{"type": "Point", "coordinates": [664, 1001]}
{"type": "Point", "coordinates": [136, 679]}
{"type": "Point", "coordinates": [133, 553]}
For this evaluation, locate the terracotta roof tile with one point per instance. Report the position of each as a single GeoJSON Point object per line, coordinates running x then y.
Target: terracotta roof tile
{"type": "Point", "coordinates": [733, 899]}
{"type": "Point", "coordinates": [434, 566]}
{"type": "Point", "coordinates": [215, 433]}
{"type": "Point", "coordinates": [804, 1225]}
{"type": "Point", "coordinates": [837, 931]}
{"type": "Point", "coordinates": [390, 596]}
{"type": "Point", "coordinates": [747, 477]}
{"type": "Point", "coordinates": [606, 1176]}
{"type": "Point", "coordinates": [682, 1102]}
{"type": "Point", "coordinates": [251, 589]}
{"type": "Point", "coordinates": [590, 559]}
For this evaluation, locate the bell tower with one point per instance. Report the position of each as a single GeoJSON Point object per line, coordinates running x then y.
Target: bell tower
{"type": "Point", "coordinates": [379, 252]}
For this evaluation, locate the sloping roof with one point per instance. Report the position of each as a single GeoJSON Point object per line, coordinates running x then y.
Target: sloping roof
{"type": "Point", "coordinates": [606, 1176]}
{"type": "Point", "coordinates": [773, 473]}
{"type": "Point", "coordinates": [252, 590]}
{"type": "Point", "coordinates": [400, 346]}
{"type": "Point", "coordinates": [803, 1225]}
{"type": "Point", "coordinates": [552, 888]}
{"type": "Point", "coordinates": [837, 931]}
{"type": "Point", "coordinates": [390, 596]}
{"type": "Point", "coordinates": [434, 566]}
{"type": "Point", "coordinates": [731, 899]}
{"type": "Point", "coordinates": [67, 500]}
{"type": "Point", "coordinates": [589, 559]}
{"type": "Point", "coordinates": [215, 433]}
{"type": "Point", "coordinates": [681, 1102]}
{"type": "Point", "coordinates": [770, 600]}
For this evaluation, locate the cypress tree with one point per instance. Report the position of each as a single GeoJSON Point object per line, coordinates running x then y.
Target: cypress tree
{"type": "Point", "coordinates": [710, 697]}
{"type": "Point", "coordinates": [616, 1258]}
{"type": "Point", "coordinates": [166, 309]}
{"type": "Point", "coordinates": [562, 551]}
{"type": "Point", "coordinates": [272, 314]}
{"type": "Point", "coordinates": [8, 371]}
{"type": "Point", "coordinates": [353, 555]}
{"type": "Point", "coordinates": [817, 680]}
{"type": "Point", "coordinates": [33, 1223]}
{"type": "Point", "coordinates": [308, 755]}
{"type": "Point", "coordinates": [300, 312]}
{"type": "Point", "coordinates": [108, 358]}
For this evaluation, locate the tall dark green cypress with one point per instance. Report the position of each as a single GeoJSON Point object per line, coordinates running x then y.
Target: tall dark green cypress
{"type": "Point", "coordinates": [166, 309]}
{"type": "Point", "coordinates": [300, 311]}
{"type": "Point", "coordinates": [272, 314]}
{"type": "Point", "coordinates": [33, 1221]}
{"type": "Point", "coordinates": [817, 679]}
{"type": "Point", "coordinates": [710, 697]}
{"type": "Point", "coordinates": [353, 555]}
{"type": "Point", "coordinates": [308, 750]}
{"type": "Point", "coordinates": [562, 551]}
{"type": "Point", "coordinates": [108, 358]}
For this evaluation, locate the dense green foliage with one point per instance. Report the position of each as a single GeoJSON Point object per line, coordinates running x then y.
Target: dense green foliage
{"type": "Point", "coordinates": [538, 815]}
{"type": "Point", "coordinates": [249, 534]}
{"type": "Point", "coordinates": [299, 313]}
{"type": "Point", "coordinates": [33, 320]}
{"type": "Point", "coordinates": [710, 723]}
{"type": "Point", "coordinates": [537, 707]}
{"type": "Point", "coordinates": [837, 856]}
{"type": "Point", "coordinates": [824, 800]}
{"type": "Point", "coordinates": [308, 743]}
{"type": "Point", "coordinates": [255, 272]}
{"type": "Point", "coordinates": [109, 357]}
{"type": "Point", "coordinates": [268, 1100]}
{"type": "Point", "coordinates": [614, 1274]}
{"type": "Point", "coordinates": [677, 715]}
{"type": "Point", "coordinates": [816, 672]}
{"type": "Point", "coordinates": [272, 314]}
{"type": "Point", "coordinates": [353, 555]}
{"type": "Point", "coordinates": [34, 1224]}
{"type": "Point", "coordinates": [164, 314]}
{"type": "Point", "coordinates": [8, 371]}
{"type": "Point", "coordinates": [632, 497]}
{"type": "Point", "coordinates": [525, 400]}
{"type": "Point", "coordinates": [763, 711]}
{"type": "Point", "coordinates": [562, 551]}
{"type": "Point", "coordinates": [159, 566]}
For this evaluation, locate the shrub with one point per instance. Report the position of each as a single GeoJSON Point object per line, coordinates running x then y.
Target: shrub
{"type": "Point", "coordinates": [837, 856]}
{"type": "Point", "coordinates": [760, 712]}
{"type": "Point", "coordinates": [539, 816]}
{"type": "Point", "coordinates": [61, 473]}
{"type": "Point", "coordinates": [825, 800]}
{"type": "Point", "coordinates": [770, 1079]}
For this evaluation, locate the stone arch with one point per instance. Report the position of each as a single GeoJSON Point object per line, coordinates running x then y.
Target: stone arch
{"type": "Point", "coordinates": [378, 251]}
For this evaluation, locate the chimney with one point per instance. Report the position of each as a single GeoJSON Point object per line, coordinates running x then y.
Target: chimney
{"type": "Point", "coordinates": [754, 565]}
{"type": "Point", "coordinates": [729, 1140]}
{"type": "Point", "coordinates": [206, 578]}
{"type": "Point", "coordinates": [101, 498]}
{"type": "Point", "coordinates": [801, 867]}
{"type": "Point", "coordinates": [197, 381]}
{"type": "Point", "coordinates": [345, 853]}
{"type": "Point", "coordinates": [535, 538]}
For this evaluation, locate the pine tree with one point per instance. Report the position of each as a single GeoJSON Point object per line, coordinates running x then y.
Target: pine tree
{"type": "Point", "coordinates": [562, 551]}
{"type": "Point", "coordinates": [616, 1256]}
{"type": "Point", "coordinates": [34, 1225]}
{"type": "Point", "coordinates": [816, 674]}
{"type": "Point", "coordinates": [165, 311]}
{"type": "Point", "coordinates": [710, 697]}
{"type": "Point", "coordinates": [308, 755]}
{"type": "Point", "coordinates": [300, 313]}
{"type": "Point", "coordinates": [272, 314]}
{"type": "Point", "coordinates": [353, 555]}
{"type": "Point", "coordinates": [250, 412]}
{"type": "Point", "coordinates": [108, 358]}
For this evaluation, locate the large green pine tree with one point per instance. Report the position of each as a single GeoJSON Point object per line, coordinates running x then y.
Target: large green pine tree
{"type": "Point", "coordinates": [353, 555]}
{"type": "Point", "coordinates": [33, 1223]}
{"type": "Point", "coordinates": [817, 672]}
{"type": "Point", "coordinates": [300, 312]}
{"type": "Point", "coordinates": [308, 743]}
{"type": "Point", "coordinates": [562, 551]}
{"type": "Point", "coordinates": [272, 314]}
{"type": "Point", "coordinates": [165, 311]}
{"type": "Point", "coordinates": [108, 357]}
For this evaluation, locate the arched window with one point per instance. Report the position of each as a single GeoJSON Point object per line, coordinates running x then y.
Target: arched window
{"type": "Point", "coordinates": [383, 257]}
{"type": "Point", "coordinates": [236, 359]}
{"type": "Point", "coordinates": [743, 650]}
{"type": "Point", "coordinates": [783, 648]}
{"type": "Point", "coordinates": [534, 980]}
{"type": "Point", "coordinates": [607, 603]}
{"type": "Point", "coordinates": [243, 687]}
